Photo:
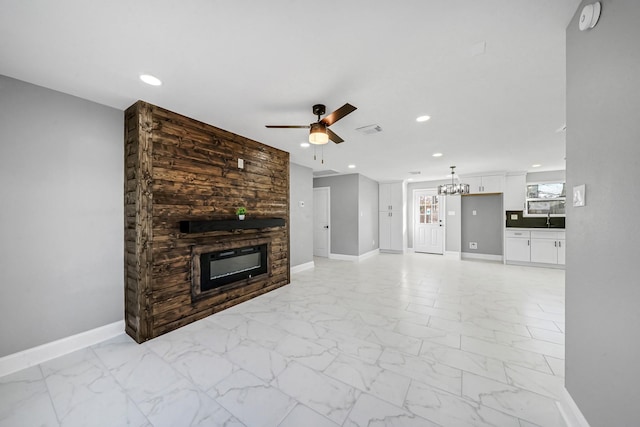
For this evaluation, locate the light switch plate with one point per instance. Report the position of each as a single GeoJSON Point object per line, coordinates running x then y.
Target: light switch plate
{"type": "Point", "coordinates": [579, 194]}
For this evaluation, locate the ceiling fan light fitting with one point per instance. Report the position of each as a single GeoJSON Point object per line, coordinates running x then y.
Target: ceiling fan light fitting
{"type": "Point", "coordinates": [318, 134]}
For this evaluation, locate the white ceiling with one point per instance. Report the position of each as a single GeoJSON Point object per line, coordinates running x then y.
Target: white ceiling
{"type": "Point", "coordinates": [240, 65]}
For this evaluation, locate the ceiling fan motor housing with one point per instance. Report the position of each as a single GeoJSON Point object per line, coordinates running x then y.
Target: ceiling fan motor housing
{"type": "Point", "coordinates": [319, 109]}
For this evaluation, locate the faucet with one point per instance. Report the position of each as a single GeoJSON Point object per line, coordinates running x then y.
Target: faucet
{"type": "Point", "coordinates": [549, 220]}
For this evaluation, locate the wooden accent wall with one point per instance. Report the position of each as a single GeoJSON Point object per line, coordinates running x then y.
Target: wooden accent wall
{"type": "Point", "coordinates": [176, 169]}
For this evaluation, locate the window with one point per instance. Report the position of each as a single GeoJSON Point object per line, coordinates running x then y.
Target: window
{"type": "Point", "coordinates": [429, 209]}
{"type": "Point", "coordinates": [546, 198]}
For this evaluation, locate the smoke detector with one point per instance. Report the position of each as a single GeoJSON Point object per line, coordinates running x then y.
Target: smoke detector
{"type": "Point", "coordinates": [589, 16]}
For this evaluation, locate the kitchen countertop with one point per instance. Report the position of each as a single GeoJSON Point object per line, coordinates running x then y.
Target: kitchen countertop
{"type": "Point", "coordinates": [552, 228]}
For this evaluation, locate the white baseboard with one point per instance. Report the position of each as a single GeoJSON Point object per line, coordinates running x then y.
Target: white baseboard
{"type": "Point", "coordinates": [369, 254]}
{"type": "Point", "coordinates": [484, 257]}
{"type": "Point", "coordinates": [452, 254]}
{"type": "Point", "coordinates": [355, 258]}
{"type": "Point", "coordinates": [36, 355]}
{"type": "Point", "coordinates": [302, 267]}
{"type": "Point", "coordinates": [535, 264]}
{"type": "Point", "coordinates": [570, 412]}
{"type": "Point", "coordinates": [391, 251]}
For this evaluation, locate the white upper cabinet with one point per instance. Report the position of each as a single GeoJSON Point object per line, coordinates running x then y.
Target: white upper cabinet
{"type": "Point", "coordinates": [515, 192]}
{"type": "Point", "coordinates": [484, 183]}
{"type": "Point", "coordinates": [390, 196]}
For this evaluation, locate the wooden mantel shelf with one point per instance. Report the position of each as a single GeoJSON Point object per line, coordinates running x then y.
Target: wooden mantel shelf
{"type": "Point", "coordinates": [204, 226]}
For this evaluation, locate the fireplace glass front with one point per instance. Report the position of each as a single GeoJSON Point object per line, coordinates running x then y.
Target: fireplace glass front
{"type": "Point", "coordinates": [228, 266]}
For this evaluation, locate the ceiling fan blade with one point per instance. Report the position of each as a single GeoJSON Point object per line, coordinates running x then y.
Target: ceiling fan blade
{"type": "Point", "coordinates": [335, 138]}
{"type": "Point", "coordinates": [338, 114]}
{"type": "Point", "coordinates": [287, 127]}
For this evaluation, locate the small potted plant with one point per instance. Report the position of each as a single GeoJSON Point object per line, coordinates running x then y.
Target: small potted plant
{"type": "Point", "coordinates": [241, 211]}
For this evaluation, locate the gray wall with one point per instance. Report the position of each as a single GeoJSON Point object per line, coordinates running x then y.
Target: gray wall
{"type": "Point", "coordinates": [368, 210]}
{"type": "Point", "coordinates": [301, 218]}
{"type": "Point", "coordinates": [603, 269]}
{"type": "Point", "coordinates": [61, 222]}
{"type": "Point", "coordinates": [485, 227]}
{"type": "Point", "coordinates": [344, 212]}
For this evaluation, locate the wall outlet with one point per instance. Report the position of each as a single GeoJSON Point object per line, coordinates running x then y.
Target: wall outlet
{"type": "Point", "coordinates": [473, 245]}
{"type": "Point", "coordinates": [240, 163]}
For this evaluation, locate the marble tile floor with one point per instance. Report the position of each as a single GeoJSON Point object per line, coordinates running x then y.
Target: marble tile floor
{"type": "Point", "coordinates": [393, 340]}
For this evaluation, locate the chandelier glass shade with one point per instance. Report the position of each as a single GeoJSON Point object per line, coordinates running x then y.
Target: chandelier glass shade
{"type": "Point", "coordinates": [453, 188]}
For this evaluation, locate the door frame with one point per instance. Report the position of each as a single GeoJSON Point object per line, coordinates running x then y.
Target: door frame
{"type": "Point", "coordinates": [315, 206]}
{"type": "Point", "coordinates": [414, 218]}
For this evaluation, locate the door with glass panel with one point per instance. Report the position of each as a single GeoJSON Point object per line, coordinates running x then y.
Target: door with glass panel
{"type": "Point", "coordinates": [428, 235]}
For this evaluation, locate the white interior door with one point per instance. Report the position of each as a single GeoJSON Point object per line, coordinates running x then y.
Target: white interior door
{"type": "Point", "coordinates": [321, 209]}
{"type": "Point", "coordinates": [428, 235]}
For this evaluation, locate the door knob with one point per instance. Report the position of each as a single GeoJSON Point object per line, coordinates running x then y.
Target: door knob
{"type": "Point", "coordinates": [326, 226]}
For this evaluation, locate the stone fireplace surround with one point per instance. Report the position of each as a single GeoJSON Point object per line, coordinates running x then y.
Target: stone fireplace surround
{"type": "Point", "coordinates": [180, 171]}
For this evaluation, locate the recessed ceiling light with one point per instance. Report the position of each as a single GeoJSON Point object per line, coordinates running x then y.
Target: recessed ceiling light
{"type": "Point", "coordinates": [423, 118]}
{"type": "Point", "coordinates": [437, 154]}
{"type": "Point", "coordinates": [352, 166]}
{"type": "Point", "coordinates": [536, 166]}
{"type": "Point", "coordinates": [150, 80]}
{"type": "Point", "coordinates": [305, 145]}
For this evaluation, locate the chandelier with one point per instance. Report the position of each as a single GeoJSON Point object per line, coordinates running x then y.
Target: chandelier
{"type": "Point", "coordinates": [453, 188]}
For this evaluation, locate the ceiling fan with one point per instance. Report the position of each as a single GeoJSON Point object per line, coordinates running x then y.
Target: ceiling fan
{"type": "Point", "coordinates": [320, 132]}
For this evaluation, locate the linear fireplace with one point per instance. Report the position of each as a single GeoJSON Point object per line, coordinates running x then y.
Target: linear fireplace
{"type": "Point", "coordinates": [217, 270]}
{"type": "Point", "coordinates": [223, 267]}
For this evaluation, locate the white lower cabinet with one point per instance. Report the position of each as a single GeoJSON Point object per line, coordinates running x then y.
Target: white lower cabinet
{"type": "Point", "coordinates": [518, 246]}
{"type": "Point", "coordinates": [547, 247]}
{"type": "Point", "coordinates": [561, 251]}
{"type": "Point", "coordinates": [542, 246]}
{"type": "Point", "coordinates": [391, 231]}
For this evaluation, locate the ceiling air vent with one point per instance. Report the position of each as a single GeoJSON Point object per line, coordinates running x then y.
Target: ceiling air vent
{"type": "Point", "coordinates": [368, 130]}
{"type": "Point", "coordinates": [414, 172]}
{"type": "Point", "coordinates": [325, 173]}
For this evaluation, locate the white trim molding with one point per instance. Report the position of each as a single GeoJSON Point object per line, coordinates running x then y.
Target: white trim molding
{"type": "Point", "coordinates": [36, 355]}
{"type": "Point", "coordinates": [452, 254]}
{"type": "Point", "coordinates": [368, 254]}
{"type": "Point", "coordinates": [570, 412]}
{"type": "Point", "coordinates": [354, 258]}
{"type": "Point", "coordinates": [485, 257]}
{"type": "Point", "coordinates": [302, 267]}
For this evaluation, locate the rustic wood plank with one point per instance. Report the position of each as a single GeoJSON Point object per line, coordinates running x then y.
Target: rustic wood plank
{"type": "Point", "coordinates": [179, 169]}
